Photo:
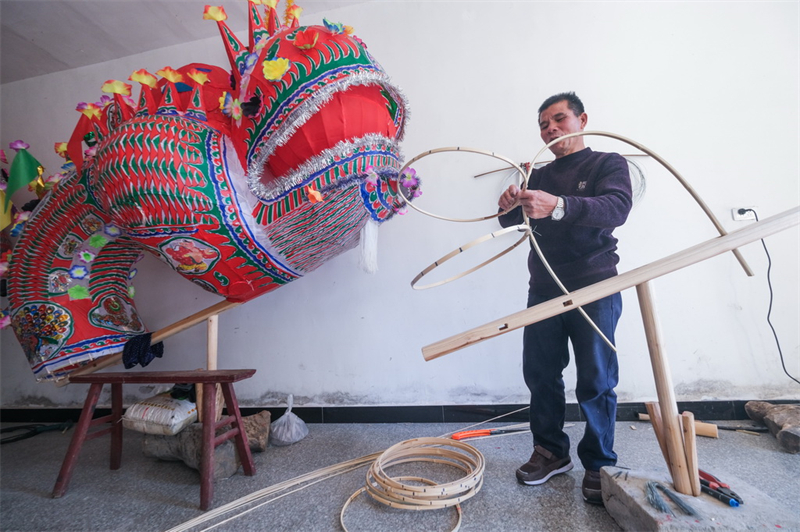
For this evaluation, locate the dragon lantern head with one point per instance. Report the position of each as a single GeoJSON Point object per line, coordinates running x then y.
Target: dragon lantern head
{"type": "Point", "coordinates": [310, 110]}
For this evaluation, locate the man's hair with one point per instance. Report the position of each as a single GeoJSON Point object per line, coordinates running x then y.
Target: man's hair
{"type": "Point", "coordinates": [573, 102]}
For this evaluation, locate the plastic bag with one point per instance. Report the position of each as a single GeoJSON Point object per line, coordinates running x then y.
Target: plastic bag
{"type": "Point", "coordinates": [288, 428]}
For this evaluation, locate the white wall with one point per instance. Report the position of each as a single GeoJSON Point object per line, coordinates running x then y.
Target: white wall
{"type": "Point", "coordinates": [712, 87]}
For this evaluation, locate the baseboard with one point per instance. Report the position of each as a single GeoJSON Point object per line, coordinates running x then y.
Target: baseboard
{"type": "Point", "coordinates": [702, 410]}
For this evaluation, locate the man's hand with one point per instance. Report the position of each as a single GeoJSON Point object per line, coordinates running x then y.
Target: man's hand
{"type": "Point", "coordinates": [537, 204]}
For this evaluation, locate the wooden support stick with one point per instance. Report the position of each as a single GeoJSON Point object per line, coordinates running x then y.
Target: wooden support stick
{"type": "Point", "coordinates": [671, 428]}
{"type": "Point", "coordinates": [584, 296]}
{"type": "Point", "coordinates": [687, 422]}
{"type": "Point", "coordinates": [213, 341]}
{"type": "Point", "coordinates": [701, 428]}
{"type": "Point", "coordinates": [655, 419]}
{"type": "Point", "coordinates": [158, 336]}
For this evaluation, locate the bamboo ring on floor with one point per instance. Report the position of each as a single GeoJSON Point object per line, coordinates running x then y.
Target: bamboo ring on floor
{"type": "Point", "coordinates": [395, 493]}
{"type": "Point", "coordinates": [355, 495]}
{"type": "Point", "coordinates": [518, 168]}
{"type": "Point", "coordinates": [524, 228]}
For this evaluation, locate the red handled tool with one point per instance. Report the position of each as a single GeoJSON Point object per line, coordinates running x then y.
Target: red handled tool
{"type": "Point", "coordinates": [484, 432]}
{"type": "Point", "coordinates": [716, 488]}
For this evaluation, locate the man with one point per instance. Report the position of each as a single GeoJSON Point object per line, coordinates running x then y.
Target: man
{"type": "Point", "coordinates": [574, 203]}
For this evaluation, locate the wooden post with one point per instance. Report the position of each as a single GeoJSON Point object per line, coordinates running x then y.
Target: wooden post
{"type": "Point", "coordinates": [655, 420]}
{"type": "Point", "coordinates": [671, 426]}
{"type": "Point", "coordinates": [687, 420]}
{"type": "Point", "coordinates": [213, 338]}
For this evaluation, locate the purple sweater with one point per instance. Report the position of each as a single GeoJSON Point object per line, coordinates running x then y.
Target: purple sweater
{"type": "Point", "coordinates": [580, 247]}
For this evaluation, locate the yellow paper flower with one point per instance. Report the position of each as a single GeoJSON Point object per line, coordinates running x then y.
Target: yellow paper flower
{"type": "Point", "coordinates": [214, 13]}
{"type": "Point", "coordinates": [198, 76]}
{"type": "Point", "coordinates": [114, 86]}
{"type": "Point", "coordinates": [275, 69]}
{"type": "Point", "coordinates": [293, 12]}
{"type": "Point", "coordinates": [348, 30]}
{"type": "Point", "coordinates": [61, 149]}
{"type": "Point", "coordinates": [271, 3]}
{"type": "Point", "coordinates": [89, 110]}
{"type": "Point", "coordinates": [170, 74]}
{"type": "Point", "coordinates": [144, 77]}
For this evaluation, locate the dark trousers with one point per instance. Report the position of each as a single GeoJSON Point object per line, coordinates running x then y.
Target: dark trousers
{"type": "Point", "coordinates": [546, 354]}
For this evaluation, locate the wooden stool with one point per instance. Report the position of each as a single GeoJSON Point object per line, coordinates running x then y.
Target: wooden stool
{"type": "Point", "coordinates": [209, 380]}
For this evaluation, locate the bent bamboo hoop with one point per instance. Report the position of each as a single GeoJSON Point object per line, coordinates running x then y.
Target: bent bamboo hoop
{"type": "Point", "coordinates": [519, 169]}
{"type": "Point", "coordinates": [663, 163]}
{"type": "Point", "coordinates": [355, 495]}
{"type": "Point", "coordinates": [524, 228]}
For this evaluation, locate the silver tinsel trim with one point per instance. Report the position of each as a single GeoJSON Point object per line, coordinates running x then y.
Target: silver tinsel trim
{"type": "Point", "coordinates": [308, 109]}
{"type": "Point", "coordinates": [320, 162]}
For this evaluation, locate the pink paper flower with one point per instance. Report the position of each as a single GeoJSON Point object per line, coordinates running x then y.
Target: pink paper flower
{"type": "Point", "coordinates": [19, 145]}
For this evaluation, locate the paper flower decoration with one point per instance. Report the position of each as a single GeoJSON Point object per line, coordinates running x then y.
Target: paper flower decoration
{"type": "Point", "coordinates": [230, 106]}
{"type": "Point", "coordinates": [409, 178]}
{"type": "Point", "coordinates": [214, 13]}
{"type": "Point", "coordinates": [261, 42]}
{"type": "Point", "coordinates": [270, 3]}
{"type": "Point", "coordinates": [275, 69]}
{"type": "Point", "coordinates": [333, 27]}
{"type": "Point", "coordinates": [61, 149]}
{"type": "Point", "coordinates": [198, 76]}
{"type": "Point", "coordinates": [5, 320]}
{"type": "Point", "coordinates": [314, 195]}
{"type": "Point", "coordinates": [292, 12]}
{"type": "Point", "coordinates": [3, 157]}
{"type": "Point", "coordinates": [170, 74]}
{"type": "Point", "coordinates": [144, 77]}
{"type": "Point", "coordinates": [19, 145]}
{"type": "Point", "coordinates": [90, 110]}
{"type": "Point", "coordinates": [114, 86]}
{"type": "Point", "coordinates": [306, 39]}
{"type": "Point", "coordinates": [372, 176]}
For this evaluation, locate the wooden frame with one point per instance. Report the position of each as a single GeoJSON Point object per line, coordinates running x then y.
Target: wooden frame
{"type": "Point", "coordinates": [678, 453]}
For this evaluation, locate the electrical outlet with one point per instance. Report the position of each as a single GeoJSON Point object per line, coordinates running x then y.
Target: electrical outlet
{"type": "Point", "coordinates": [748, 215]}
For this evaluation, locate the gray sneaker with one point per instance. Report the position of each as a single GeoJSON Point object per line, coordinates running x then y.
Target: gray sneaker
{"type": "Point", "coordinates": [590, 489]}
{"type": "Point", "coordinates": [542, 465]}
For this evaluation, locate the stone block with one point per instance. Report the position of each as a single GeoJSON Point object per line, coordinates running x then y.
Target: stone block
{"type": "Point", "coordinates": [625, 499]}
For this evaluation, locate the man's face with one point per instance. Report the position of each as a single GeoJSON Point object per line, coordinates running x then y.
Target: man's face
{"type": "Point", "coordinates": [559, 120]}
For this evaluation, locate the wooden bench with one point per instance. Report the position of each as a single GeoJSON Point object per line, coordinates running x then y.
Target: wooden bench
{"type": "Point", "coordinates": [209, 379]}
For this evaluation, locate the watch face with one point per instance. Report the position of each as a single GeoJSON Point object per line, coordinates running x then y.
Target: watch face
{"type": "Point", "coordinates": [558, 213]}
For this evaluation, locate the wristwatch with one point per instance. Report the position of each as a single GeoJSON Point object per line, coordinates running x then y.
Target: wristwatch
{"type": "Point", "coordinates": [558, 212]}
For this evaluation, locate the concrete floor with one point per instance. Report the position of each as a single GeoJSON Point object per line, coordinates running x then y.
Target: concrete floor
{"type": "Point", "coordinates": [147, 494]}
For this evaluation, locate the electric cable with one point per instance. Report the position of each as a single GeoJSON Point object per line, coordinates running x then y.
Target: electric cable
{"type": "Point", "coordinates": [771, 296]}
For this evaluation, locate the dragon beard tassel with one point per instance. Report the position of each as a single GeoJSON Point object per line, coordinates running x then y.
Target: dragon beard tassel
{"type": "Point", "coordinates": [368, 261]}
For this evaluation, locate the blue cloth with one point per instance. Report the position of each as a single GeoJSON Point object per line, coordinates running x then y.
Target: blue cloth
{"type": "Point", "coordinates": [546, 355]}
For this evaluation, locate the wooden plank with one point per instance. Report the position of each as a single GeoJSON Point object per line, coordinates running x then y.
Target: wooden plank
{"type": "Point", "coordinates": [671, 427]}
{"type": "Point", "coordinates": [701, 428]}
{"type": "Point", "coordinates": [158, 336]}
{"type": "Point", "coordinates": [167, 377]}
{"type": "Point", "coordinates": [584, 296]}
